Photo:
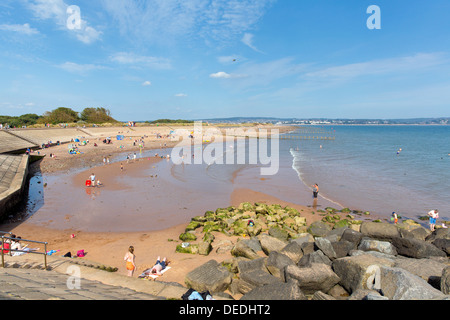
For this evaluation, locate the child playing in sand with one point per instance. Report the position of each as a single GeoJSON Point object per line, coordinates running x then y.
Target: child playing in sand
{"type": "Point", "coordinates": [92, 177]}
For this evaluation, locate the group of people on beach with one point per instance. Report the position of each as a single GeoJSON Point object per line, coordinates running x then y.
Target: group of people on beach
{"type": "Point", "coordinates": [13, 244]}
{"type": "Point", "coordinates": [130, 260]}
{"type": "Point", "coordinates": [433, 214]}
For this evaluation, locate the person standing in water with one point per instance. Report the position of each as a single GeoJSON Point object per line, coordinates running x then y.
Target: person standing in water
{"type": "Point", "coordinates": [315, 190]}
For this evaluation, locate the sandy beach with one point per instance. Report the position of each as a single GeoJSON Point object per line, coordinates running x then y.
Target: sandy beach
{"type": "Point", "coordinates": [151, 217]}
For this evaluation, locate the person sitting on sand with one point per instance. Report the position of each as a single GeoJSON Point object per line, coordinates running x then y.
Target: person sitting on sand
{"type": "Point", "coordinates": [159, 266]}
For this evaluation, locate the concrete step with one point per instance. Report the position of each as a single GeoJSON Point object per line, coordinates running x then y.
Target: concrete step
{"type": "Point", "coordinates": [24, 277]}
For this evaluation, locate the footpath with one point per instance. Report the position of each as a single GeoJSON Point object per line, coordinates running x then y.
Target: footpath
{"type": "Point", "coordinates": [25, 278]}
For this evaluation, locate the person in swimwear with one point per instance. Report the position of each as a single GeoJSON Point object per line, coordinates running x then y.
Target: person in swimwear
{"type": "Point", "coordinates": [159, 266]}
{"type": "Point", "coordinates": [433, 214]}
{"type": "Point", "coordinates": [130, 258]}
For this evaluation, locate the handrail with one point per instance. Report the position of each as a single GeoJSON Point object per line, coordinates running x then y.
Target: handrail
{"type": "Point", "coordinates": [16, 250]}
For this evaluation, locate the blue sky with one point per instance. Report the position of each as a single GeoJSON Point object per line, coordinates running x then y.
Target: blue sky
{"type": "Point", "coordinates": [192, 59]}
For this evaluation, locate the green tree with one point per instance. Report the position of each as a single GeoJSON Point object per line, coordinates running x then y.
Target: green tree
{"type": "Point", "coordinates": [96, 115]}
{"type": "Point", "coordinates": [60, 115]}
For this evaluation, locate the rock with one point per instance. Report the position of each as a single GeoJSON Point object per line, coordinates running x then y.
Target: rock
{"type": "Point", "coordinates": [342, 248]}
{"type": "Point", "coordinates": [381, 231]}
{"type": "Point", "coordinates": [252, 279]}
{"type": "Point", "coordinates": [377, 245]}
{"type": "Point", "coordinates": [250, 265]}
{"type": "Point", "coordinates": [210, 276]}
{"type": "Point", "coordinates": [204, 248]}
{"type": "Point", "coordinates": [319, 229]}
{"type": "Point", "coordinates": [325, 246]}
{"type": "Point", "coordinates": [440, 233]}
{"type": "Point", "coordinates": [442, 244]}
{"type": "Point", "coordinates": [399, 284]}
{"type": "Point", "coordinates": [269, 244]}
{"type": "Point", "coordinates": [278, 233]}
{"type": "Point", "coordinates": [418, 233]}
{"type": "Point", "coordinates": [445, 280]}
{"type": "Point", "coordinates": [276, 263]}
{"type": "Point", "coordinates": [186, 237]}
{"type": "Point", "coordinates": [303, 237]}
{"type": "Point", "coordinates": [319, 295]}
{"type": "Point", "coordinates": [191, 248]}
{"type": "Point", "coordinates": [352, 236]}
{"type": "Point", "coordinates": [293, 250]}
{"type": "Point", "coordinates": [276, 291]}
{"type": "Point", "coordinates": [428, 269]}
{"type": "Point", "coordinates": [416, 248]}
{"type": "Point", "coordinates": [245, 249]}
{"type": "Point", "coordinates": [318, 277]}
{"type": "Point", "coordinates": [224, 246]}
{"type": "Point", "coordinates": [316, 257]}
{"type": "Point", "coordinates": [365, 294]}
{"type": "Point", "coordinates": [360, 271]}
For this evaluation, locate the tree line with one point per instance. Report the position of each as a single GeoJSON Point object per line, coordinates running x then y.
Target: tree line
{"type": "Point", "coordinates": [60, 115]}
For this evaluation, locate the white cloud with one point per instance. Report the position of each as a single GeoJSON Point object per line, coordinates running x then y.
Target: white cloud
{"type": "Point", "coordinates": [181, 95]}
{"type": "Point", "coordinates": [19, 28]}
{"type": "Point", "coordinates": [56, 10]}
{"type": "Point", "coordinates": [79, 68]}
{"type": "Point", "coordinates": [220, 75]}
{"type": "Point", "coordinates": [381, 66]}
{"type": "Point", "coordinates": [248, 41]}
{"type": "Point", "coordinates": [169, 20]}
{"type": "Point", "coordinates": [146, 83]}
{"type": "Point", "coordinates": [129, 58]}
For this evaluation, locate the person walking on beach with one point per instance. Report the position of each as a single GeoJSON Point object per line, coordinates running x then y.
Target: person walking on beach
{"type": "Point", "coordinates": [130, 261]}
{"type": "Point", "coordinates": [434, 215]}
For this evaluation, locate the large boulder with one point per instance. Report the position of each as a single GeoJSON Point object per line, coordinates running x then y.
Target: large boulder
{"type": "Point", "coordinates": [276, 263]}
{"type": "Point", "coordinates": [443, 244]}
{"type": "Point", "coordinates": [428, 269]}
{"type": "Point", "coordinates": [315, 257]}
{"type": "Point", "coordinates": [326, 247]}
{"type": "Point", "coordinates": [381, 231]}
{"type": "Point", "coordinates": [368, 244]}
{"type": "Point", "coordinates": [252, 279]}
{"type": "Point", "coordinates": [269, 244]}
{"type": "Point", "coordinates": [275, 291]}
{"type": "Point", "coordinates": [210, 276]}
{"type": "Point", "coordinates": [246, 248]}
{"type": "Point", "coordinates": [352, 236]}
{"type": "Point", "coordinates": [415, 248]}
{"type": "Point", "coordinates": [318, 277]}
{"type": "Point", "coordinates": [319, 229]}
{"type": "Point", "coordinates": [399, 284]}
{"type": "Point", "coordinates": [293, 250]}
{"type": "Point", "coordinates": [445, 280]}
{"type": "Point", "coordinates": [360, 271]}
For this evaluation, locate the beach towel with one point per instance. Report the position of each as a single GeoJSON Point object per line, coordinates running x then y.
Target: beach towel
{"type": "Point", "coordinates": [147, 273]}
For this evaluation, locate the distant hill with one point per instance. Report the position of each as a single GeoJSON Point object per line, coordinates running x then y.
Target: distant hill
{"type": "Point", "coordinates": [443, 120]}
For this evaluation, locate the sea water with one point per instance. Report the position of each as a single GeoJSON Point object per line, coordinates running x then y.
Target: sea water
{"type": "Point", "coordinates": [380, 169]}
